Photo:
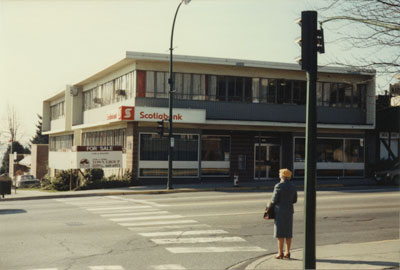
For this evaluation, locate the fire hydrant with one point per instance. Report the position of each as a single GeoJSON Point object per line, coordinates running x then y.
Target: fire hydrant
{"type": "Point", "coordinates": [235, 179]}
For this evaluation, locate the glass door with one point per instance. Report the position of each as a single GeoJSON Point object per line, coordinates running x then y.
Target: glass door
{"type": "Point", "coordinates": [267, 161]}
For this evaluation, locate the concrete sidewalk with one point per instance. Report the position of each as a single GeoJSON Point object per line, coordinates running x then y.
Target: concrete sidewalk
{"type": "Point", "coordinates": [370, 255]}
{"type": "Point", "coordinates": [35, 194]}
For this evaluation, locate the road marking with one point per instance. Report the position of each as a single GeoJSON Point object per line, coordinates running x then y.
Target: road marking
{"type": "Point", "coordinates": [106, 267]}
{"type": "Point", "coordinates": [214, 249]}
{"type": "Point", "coordinates": [182, 233]}
{"type": "Point", "coordinates": [137, 201]}
{"type": "Point", "coordinates": [45, 269]}
{"type": "Point", "coordinates": [152, 212]}
{"type": "Point", "coordinates": [191, 226]}
{"type": "Point", "coordinates": [118, 208]}
{"type": "Point", "coordinates": [197, 240]}
{"type": "Point", "coordinates": [168, 267]}
{"type": "Point", "coordinates": [145, 218]}
{"type": "Point", "coordinates": [125, 211]}
{"type": "Point", "coordinates": [137, 224]}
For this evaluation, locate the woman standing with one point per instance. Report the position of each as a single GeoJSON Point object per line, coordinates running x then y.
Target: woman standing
{"type": "Point", "coordinates": [284, 196]}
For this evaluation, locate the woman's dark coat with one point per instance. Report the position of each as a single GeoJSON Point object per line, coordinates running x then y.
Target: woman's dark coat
{"type": "Point", "coordinates": [284, 196]}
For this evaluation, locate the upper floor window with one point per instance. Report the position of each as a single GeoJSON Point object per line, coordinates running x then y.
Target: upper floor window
{"type": "Point", "coordinates": [189, 86]}
{"type": "Point", "coordinates": [113, 91]}
{"type": "Point", "coordinates": [104, 137]}
{"type": "Point", "coordinates": [57, 110]}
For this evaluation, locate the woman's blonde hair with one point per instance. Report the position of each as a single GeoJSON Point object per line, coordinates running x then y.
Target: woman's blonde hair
{"type": "Point", "coordinates": [285, 173]}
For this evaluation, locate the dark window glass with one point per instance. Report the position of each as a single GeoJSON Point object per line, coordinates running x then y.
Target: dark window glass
{"type": "Point", "coordinates": [300, 152]}
{"type": "Point", "coordinates": [341, 93]}
{"type": "Point", "coordinates": [329, 150]}
{"type": "Point", "coordinates": [333, 95]}
{"type": "Point", "coordinates": [281, 84]}
{"type": "Point", "coordinates": [271, 98]}
{"type": "Point", "coordinates": [248, 84]}
{"type": "Point", "coordinates": [231, 88]}
{"type": "Point", "coordinates": [215, 148]}
{"type": "Point", "coordinates": [221, 88]}
{"type": "Point", "coordinates": [354, 150]}
{"type": "Point", "coordinates": [327, 94]}
{"type": "Point", "coordinates": [287, 92]}
{"type": "Point", "coordinates": [319, 93]}
{"type": "Point", "coordinates": [239, 89]}
{"type": "Point", "coordinates": [348, 92]}
{"type": "Point", "coordinates": [299, 92]}
{"type": "Point", "coordinates": [362, 89]}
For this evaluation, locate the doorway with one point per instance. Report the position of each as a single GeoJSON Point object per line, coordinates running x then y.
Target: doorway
{"type": "Point", "coordinates": [267, 161]}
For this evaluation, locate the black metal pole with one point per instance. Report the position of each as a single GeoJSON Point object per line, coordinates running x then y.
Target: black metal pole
{"type": "Point", "coordinates": [171, 104]}
{"type": "Point", "coordinates": [309, 22]}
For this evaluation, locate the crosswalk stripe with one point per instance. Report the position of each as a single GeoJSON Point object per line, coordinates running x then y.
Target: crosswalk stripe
{"type": "Point", "coordinates": [168, 267]}
{"type": "Point", "coordinates": [197, 240]}
{"type": "Point", "coordinates": [138, 201]}
{"type": "Point", "coordinates": [146, 218]}
{"type": "Point", "coordinates": [106, 267]}
{"type": "Point", "coordinates": [182, 233]}
{"type": "Point", "coordinates": [155, 228]}
{"type": "Point", "coordinates": [45, 269]}
{"type": "Point", "coordinates": [142, 213]}
{"type": "Point", "coordinates": [118, 208]}
{"type": "Point", "coordinates": [137, 224]}
{"type": "Point", "coordinates": [214, 249]}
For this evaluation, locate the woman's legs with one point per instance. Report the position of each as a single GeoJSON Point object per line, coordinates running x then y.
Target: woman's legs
{"type": "Point", "coordinates": [281, 241]}
{"type": "Point", "coordinates": [288, 244]}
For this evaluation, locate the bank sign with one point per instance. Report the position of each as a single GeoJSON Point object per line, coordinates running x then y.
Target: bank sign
{"type": "Point", "coordinates": [153, 114]}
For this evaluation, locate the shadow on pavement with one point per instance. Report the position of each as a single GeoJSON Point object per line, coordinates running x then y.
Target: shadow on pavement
{"type": "Point", "coordinates": [11, 211]}
{"type": "Point", "coordinates": [390, 265]}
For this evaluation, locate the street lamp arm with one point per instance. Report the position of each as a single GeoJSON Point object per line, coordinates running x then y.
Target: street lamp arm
{"type": "Point", "coordinates": [173, 26]}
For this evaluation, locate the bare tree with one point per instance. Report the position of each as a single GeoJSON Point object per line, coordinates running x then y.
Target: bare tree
{"type": "Point", "coordinates": [370, 26]}
{"type": "Point", "coordinates": [11, 126]}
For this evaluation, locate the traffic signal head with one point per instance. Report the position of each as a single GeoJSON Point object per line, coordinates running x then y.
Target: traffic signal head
{"type": "Point", "coordinates": [160, 128]}
{"type": "Point", "coordinates": [311, 40]}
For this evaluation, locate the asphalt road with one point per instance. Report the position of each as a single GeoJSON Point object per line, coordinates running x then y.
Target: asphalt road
{"type": "Point", "coordinates": [205, 230]}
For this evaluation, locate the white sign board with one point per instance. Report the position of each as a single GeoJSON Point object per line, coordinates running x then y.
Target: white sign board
{"type": "Point", "coordinates": [153, 114]}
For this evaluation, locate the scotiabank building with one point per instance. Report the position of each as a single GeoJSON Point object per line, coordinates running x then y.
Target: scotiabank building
{"type": "Point", "coordinates": [229, 116]}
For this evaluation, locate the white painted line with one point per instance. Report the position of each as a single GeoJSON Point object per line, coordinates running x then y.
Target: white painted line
{"type": "Point", "coordinates": [137, 224]}
{"type": "Point", "coordinates": [152, 212]}
{"type": "Point", "coordinates": [45, 269]}
{"type": "Point", "coordinates": [137, 201]}
{"type": "Point", "coordinates": [118, 208]}
{"type": "Point", "coordinates": [214, 249]}
{"type": "Point", "coordinates": [146, 218]}
{"type": "Point", "coordinates": [155, 228]}
{"type": "Point", "coordinates": [197, 240]}
{"type": "Point", "coordinates": [106, 267]}
{"type": "Point", "coordinates": [182, 233]}
{"type": "Point", "coordinates": [168, 267]}
{"type": "Point", "coordinates": [124, 211]}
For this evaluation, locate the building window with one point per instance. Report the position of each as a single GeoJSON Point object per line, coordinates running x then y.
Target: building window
{"type": "Point", "coordinates": [113, 91]}
{"type": "Point", "coordinates": [115, 137]}
{"type": "Point", "coordinates": [61, 143]}
{"type": "Point", "coordinates": [215, 148]}
{"type": "Point", "coordinates": [300, 150]}
{"type": "Point", "coordinates": [354, 150]}
{"type": "Point", "coordinates": [152, 147]}
{"type": "Point", "coordinates": [330, 150]}
{"type": "Point", "coordinates": [57, 110]}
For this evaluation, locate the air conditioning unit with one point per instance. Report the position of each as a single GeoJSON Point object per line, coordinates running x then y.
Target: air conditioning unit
{"type": "Point", "coordinates": [120, 92]}
{"type": "Point", "coordinates": [98, 100]}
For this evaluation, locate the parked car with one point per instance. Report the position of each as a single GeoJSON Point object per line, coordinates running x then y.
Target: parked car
{"type": "Point", "coordinates": [390, 176]}
{"type": "Point", "coordinates": [25, 180]}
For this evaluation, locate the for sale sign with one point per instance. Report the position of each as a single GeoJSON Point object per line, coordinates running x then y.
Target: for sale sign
{"type": "Point", "coordinates": [91, 157]}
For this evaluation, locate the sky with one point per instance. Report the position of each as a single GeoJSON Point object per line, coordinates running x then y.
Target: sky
{"type": "Point", "coordinates": [47, 44]}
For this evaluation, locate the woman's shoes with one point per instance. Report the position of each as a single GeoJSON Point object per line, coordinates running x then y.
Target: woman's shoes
{"type": "Point", "coordinates": [287, 255]}
{"type": "Point", "coordinates": [279, 256]}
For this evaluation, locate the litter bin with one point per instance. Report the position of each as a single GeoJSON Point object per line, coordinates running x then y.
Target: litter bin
{"type": "Point", "coordinates": [5, 185]}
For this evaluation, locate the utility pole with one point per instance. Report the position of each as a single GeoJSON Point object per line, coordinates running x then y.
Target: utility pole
{"type": "Point", "coordinates": [311, 42]}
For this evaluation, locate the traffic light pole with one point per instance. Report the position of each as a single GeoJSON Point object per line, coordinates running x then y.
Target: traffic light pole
{"type": "Point", "coordinates": [310, 61]}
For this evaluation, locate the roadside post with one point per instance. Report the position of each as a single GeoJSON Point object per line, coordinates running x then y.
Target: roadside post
{"type": "Point", "coordinates": [311, 42]}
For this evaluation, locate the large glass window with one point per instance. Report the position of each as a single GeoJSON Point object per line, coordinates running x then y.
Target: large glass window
{"type": "Point", "coordinates": [300, 150]}
{"type": "Point", "coordinates": [330, 150]}
{"type": "Point", "coordinates": [57, 110]}
{"type": "Point", "coordinates": [104, 137]}
{"type": "Point", "coordinates": [152, 147]}
{"type": "Point", "coordinates": [354, 150]}
{"type": "Point", "coordinates": [215, 148]}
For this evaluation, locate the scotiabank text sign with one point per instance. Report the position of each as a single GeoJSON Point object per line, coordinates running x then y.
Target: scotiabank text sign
{"type": "Point", "coordinates": [179, 115]}
{"type": "Point", "coordinates": [152, 114]}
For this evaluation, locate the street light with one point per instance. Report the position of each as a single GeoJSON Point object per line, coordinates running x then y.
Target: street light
{"type": "Point", "coordinates": [171, 99]}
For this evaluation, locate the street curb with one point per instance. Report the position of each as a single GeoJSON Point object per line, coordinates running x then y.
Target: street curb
{"type": "Point", "coordinates": [145, 192]}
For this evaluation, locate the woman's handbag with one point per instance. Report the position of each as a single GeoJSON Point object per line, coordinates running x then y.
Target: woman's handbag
{"type": "Point", "coordinates": [269, 211]}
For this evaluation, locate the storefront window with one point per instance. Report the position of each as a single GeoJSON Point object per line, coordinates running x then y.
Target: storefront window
{"type": "Point", "coordinates": [300, 146]}
{"type": "Point", "coordinates": [215, 148]}
{"type": "Point", "coordinates": [152, 147]}
{"type": "Point", "coordinates": [330, 150]}
{"type": "Point", "coordinates": [354, 150]}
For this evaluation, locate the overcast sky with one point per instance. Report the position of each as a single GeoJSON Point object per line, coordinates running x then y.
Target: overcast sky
{"type": "Point", "coordinates": [48, 44]}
